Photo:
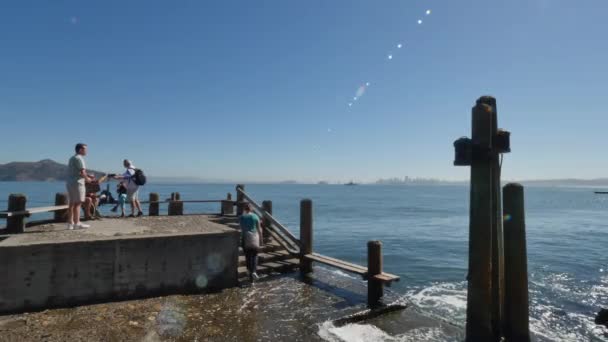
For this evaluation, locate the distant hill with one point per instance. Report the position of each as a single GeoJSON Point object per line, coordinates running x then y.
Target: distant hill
{"type": "Point", "coordinates": [44, 170]}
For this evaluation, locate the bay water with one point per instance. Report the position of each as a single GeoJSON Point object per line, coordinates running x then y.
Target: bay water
{"type": "Point", "coordinates": [424, 231]}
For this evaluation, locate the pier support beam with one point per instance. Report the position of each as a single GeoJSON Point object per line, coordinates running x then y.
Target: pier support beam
{"type": "Point", "coordinates": [153, 206]}
{"type": "Point", "coordinates": [375, 288]}
{"type": "Point", "coordinates": [516, 327]}
{"type": "Point", "coordinates": [16, 224]}
{"type": "Point", "coordinates": [61, 198]}
{"type": "Point", "coordinates": [306, 234]}
{"type": "Point", "coordinates": [239, 199]}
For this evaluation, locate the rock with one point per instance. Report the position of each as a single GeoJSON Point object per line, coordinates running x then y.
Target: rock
{"type": "Point", "coordinates": [133, 323]}
{"type": "Point", "coordinates": [602, 317]}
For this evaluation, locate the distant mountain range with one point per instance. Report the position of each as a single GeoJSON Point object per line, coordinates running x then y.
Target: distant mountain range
{"type": "Point", "coordinates": [44, 170]}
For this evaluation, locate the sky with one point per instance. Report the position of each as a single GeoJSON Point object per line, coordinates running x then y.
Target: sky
{"type": "Point", "coordinates": [259, 90]}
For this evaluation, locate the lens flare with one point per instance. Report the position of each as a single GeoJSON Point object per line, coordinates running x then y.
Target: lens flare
{"type": "Point", "coordinates": [399, 46]}
{"type": "Point", "coordinates": [428, 12]}
{"type": "Point", "coordinates": [419, 21]}
{"type": "Point", "coordinates": [367, 84]}
{"type": "Point", "coordinates": [360, 91]}
{"type": "Point", "coordinates": [201, 281]}
{"type": "Point", "coordinates": [390, 56]}
{"type": "Point", "coordinates": [507, 218]}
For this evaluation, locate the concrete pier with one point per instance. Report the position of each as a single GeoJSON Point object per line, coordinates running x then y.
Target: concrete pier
{"type": "Point", "coordinates": [116, 259]}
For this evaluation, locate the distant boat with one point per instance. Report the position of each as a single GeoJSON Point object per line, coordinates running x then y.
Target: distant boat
{"type": "Point", "coordinates": [351, 183]}
{"type": "Point", "coordinates": [601, 192]}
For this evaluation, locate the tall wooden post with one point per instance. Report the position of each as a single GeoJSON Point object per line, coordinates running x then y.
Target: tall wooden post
{"type": "Point", "coordinates": [16, 224]}
{"type": "Point", "coordinates": [479, 298]}
{"type": "Point", "coordinates": [153, 206]}
{"type": "Point", "coordinates": [375, 289]}
{"type": "Point", "coordinates": [516, 327]}
{"type": "Point", "coordinates": [61, 215]}
{"type": "Point", "coordinates": [497, 227]}
{"type": "Point", "coordinates": [267, 206]}
{"type": "Point", "coordinates": [239, 199]}
{"type": "Point", "coordinates": [306, 234]}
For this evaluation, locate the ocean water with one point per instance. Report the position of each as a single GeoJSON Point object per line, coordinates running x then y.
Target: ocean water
{"type": "Point", "coordinates": [424, 231]}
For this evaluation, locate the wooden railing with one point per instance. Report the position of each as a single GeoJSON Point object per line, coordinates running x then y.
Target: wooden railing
{"type": "Point", "coordinates": [303, 247]}
{"type": "Point", "coordinates": [17, 211]}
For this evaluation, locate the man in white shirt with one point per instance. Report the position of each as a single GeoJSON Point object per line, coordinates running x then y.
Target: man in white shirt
{"type": "Point", "coordinates": [76, 178]}
{"type": "Point", "coordinates": [132, 188]}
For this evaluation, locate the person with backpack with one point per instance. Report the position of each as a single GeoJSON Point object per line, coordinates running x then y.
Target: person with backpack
{"type": "Point", "coordinates": [251, 239]}
{"type": "Point", "coordinates": [133, 178]}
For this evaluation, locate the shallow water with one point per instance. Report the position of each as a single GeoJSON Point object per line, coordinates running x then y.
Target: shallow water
{"type": "Point", "coordinates": [424, 230]}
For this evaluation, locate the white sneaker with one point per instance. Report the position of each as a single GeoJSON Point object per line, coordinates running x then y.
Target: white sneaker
{"type": "Point", "coordinates": [255, 276]}
{"type": "Point", "coordinates": [82, 226]}
{"type": "Point", "coordinates": [70, 226]}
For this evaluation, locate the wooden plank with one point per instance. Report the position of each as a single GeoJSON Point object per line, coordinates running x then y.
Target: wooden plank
{"type": "Point", "coordinates": [337, 263]}
{"type": "Point", "coordinates": [46, 209]}
{"type": "Point", "coordinates": [28, 212]}
{"type": "Point", "coordinates": [386, 277]}
{"type": "Point", "coordinates": [353, 268]}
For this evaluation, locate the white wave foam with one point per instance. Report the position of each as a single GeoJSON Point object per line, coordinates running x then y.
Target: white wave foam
{"type": "Point", "coordinates": [371, 333]}
{"type": "Point", "coordinates": [352, 333]}
{"type": "Point", "coordinates": [446, 299]}
{"type": "Point", "coordinates": [340, 273]}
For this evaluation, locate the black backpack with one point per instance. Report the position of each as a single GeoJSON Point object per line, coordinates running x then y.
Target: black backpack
{"type": "Point", "coordinates": [139, 177]}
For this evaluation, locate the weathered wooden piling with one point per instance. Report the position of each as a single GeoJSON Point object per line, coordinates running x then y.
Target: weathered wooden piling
{"type": "Point", "coordinates": [267, 207]}
{"type": "Point", "coordinates": [228, 205]}
{"type": "Point", "coordinates": [61, 198]}
{"type": "Point", "coordinates": [497, 227]}
{"type": "Point", "coordinates": [375, 288]}
{"type": "Point", "coordinates": [479, 326]}
{"type": "Point", "coordinates": [306, 234]}
{"type": "Point", "coordinates": [516, 321]}
{"type": "Point", "coordinates": [239, 199]}
{"type": "Point", "coordinates": [16, 224]}
{"type": "Point", "coordinates": [176, 206]}
{"type": "Point", "coordinates": [153, 206]}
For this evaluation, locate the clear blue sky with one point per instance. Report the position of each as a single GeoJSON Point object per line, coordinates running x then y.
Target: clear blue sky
{"type": "Point", "coordinates": [259, 89]}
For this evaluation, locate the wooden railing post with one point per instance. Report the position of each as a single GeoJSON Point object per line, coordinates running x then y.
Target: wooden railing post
{"type": "Point", "coordinates": [16, 224]}
{"type": "Point", "coordinates": [153, 206]}
{"type": "Point", "coordinates": [267, 207]}
{"type": "Point", "coordinates": [61, 215]}
{"type": "Point", "coordinates": [306, 234]}
{"type": "Point", "coordinates": [375, 289]}
{"type": "Point", "coordinates": [228, 205]}
{"type": "Point", "coordinates": [516, 265]}
{"type": "Point", "coordinates": [479, 297]}
{"type": "Point", "coordinates": [176, 206]}
{"type": "Point", "coordinates": [239, 199]}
